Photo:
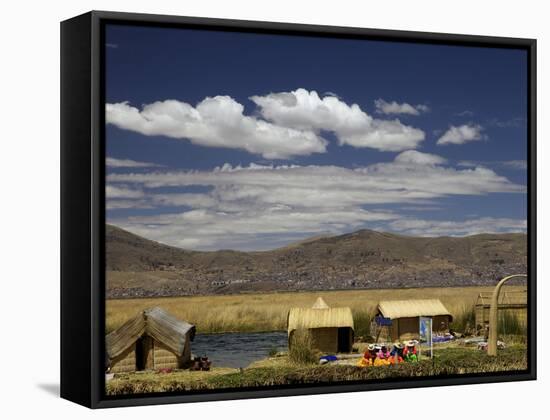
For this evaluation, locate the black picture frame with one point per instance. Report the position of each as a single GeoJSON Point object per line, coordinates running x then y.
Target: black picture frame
{"type": "Point", "coordinates": [83, 204]}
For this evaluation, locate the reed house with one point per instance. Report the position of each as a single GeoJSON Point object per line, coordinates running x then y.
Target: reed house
{"type": "Point", "coordinates": [405, 317]}
{"type": "Point", "coordinates": [330, 329]}
{"type": "Point", "coordinates": [154, 339]}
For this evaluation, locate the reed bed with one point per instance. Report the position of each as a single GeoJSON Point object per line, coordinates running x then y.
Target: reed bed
{"type": "Point", "coordinates": [509, 324]}
{"type": "Point", "coordinates": [464, 318]}
{"type": "Point", "coordinates": [362, 320]}
{"type": "Point", "coordinates": [268, 311]}
{"type": "Point", "coordinates": [301, 352]}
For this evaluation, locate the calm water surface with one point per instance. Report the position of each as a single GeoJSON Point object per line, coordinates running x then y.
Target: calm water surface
{"type": "Point", "coordinates": [238, 349]}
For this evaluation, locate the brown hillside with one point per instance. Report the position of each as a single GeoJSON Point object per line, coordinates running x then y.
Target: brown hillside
{"type": "Point", "coordinates": [363, 259]}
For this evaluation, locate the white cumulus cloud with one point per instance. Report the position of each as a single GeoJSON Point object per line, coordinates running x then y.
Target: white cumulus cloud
{"type": "Point", "coordinates": [461, 134]}
{"type": "Point", "coordinates": [215, 122]}
{"type": "Point", "coordinates": [305, 110]}
{"type": "Point", "coordinates": [384, 107]}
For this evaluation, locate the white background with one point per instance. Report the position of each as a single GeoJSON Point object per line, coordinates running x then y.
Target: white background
{"type": "Point", "coordinates": [29, 153]}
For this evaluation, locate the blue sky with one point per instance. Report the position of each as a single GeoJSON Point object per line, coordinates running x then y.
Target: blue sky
{"type": "Point", "coordinates": [247, 141]}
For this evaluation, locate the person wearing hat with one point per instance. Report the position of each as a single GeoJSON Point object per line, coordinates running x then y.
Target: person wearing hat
{"type": "Point", "coordinates": [382, 356]}
{"type": "Point", "coordinates": [396, 354]}
{"type": "Point", "coordinates": [409, 352]}
{"type": "Point", "coordinates": [383, 353]}
{"type": "Point", "coordinates": [368, 356]}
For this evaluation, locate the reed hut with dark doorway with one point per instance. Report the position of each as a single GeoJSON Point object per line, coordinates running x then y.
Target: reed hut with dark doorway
{"type": "Point", "coordinates": [405, 316]}
{"type": "Point", "coordinates": [154, 339]}
{"type": "Point", "coordinates": [331, 329]}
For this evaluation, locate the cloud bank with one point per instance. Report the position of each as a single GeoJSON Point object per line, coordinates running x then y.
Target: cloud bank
{"type": "Point", "coordinates": [520, 164]}
{"type": "Point", "coordinates": [215, 122]}
{"type": "Point", "coordinates": [260, 206]}
{"type": "Point", "coordinates": [128, 163]}
{"type": "Point", "coordinates": [291, 125]}
{"type": "Point", "coordinates": [419, 227]}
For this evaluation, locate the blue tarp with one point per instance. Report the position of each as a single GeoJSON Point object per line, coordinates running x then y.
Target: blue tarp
{"type": "Point", "coordinates": [383, 322]}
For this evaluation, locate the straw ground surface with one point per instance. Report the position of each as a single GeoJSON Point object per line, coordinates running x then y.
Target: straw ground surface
{"type": "Point", "coordinates": [281, 371]}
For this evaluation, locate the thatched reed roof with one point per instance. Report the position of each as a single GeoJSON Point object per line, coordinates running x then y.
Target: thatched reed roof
{"type": "Point", "coordinates": [319, 316]}
{"type": "Point", "coordinates": [156, 323]}
{"type": "Point", "coordinates": [412, 308]}
{"type": "Point", "coordinates": [320, 304]}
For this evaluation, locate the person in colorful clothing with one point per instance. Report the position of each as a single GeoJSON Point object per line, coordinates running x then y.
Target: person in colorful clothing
{"type": "Point", "coordinates": [383, 353]}
{"type": "Point", "coordinates": [368, 356]}
{"type": "Point", "coordinates": [409, 352]}
{"type": "Point", "coordinates": [396, 354]}
{"type": "Point", "coordinates": [382, 356]}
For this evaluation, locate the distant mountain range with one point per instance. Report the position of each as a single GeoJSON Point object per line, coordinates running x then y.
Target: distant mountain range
{"type": "Point", "coordinates": [364, 259]}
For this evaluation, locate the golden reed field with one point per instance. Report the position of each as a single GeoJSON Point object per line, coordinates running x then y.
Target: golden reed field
{"type": "Point", "coordinates": [268, 311]}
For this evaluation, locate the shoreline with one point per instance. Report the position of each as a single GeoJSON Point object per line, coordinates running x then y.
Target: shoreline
{"type": "Point", "coordinates": [303, 291]}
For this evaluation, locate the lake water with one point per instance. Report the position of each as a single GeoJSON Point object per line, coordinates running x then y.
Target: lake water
{"type": "Point", "coordinates": [238, 349]}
